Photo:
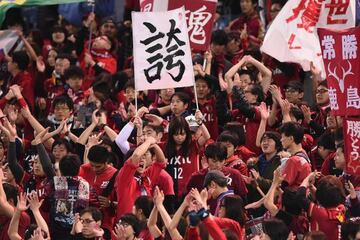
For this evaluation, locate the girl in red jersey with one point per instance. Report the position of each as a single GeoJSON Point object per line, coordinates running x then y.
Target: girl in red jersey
{"type": "Point", "coordinates": [182, 151]}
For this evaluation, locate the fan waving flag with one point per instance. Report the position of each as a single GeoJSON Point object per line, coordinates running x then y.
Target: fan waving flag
{"type": "Point", "coordinates": [292, 37]}
{"type": "Point", "coordinates": [7, 4]}
{"type": "Point", "coordinates": [162, 56]}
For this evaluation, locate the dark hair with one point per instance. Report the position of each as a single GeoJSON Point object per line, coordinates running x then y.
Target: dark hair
{"type": "Point", "coordinates": [228, 137]}
{"type": "Point", "coordinates": [129, 84]}
{"type": "Point", "coordinates": [290, 202]}
{"type": "Point", "coordinates": [98, 154]}
{"type": "Point", "coordinates": [69, 165]}
{"type": "Point", "coordinates": [64, 56]}
{"type": "Point", "coordinates": [95, 213]}
{"type": "Point", "coordinates": [144, 203]}
{"type": "Point", "coordinates": [330, 192]}
{"type": "Point", "coordinates": [219, 37]}
{"type": "Point", "coordinates": [237, 129]}
{"type": "Point", "coordinates": [274, 136]}
{"type": "Point", "coordinates": [62, 141]}
{"type": "Point", "coordinates": [133, 221]}
{"type": "Point", "coordinates": [30, 231]}
{"type": "Point", "coordinates": [21, 59]}
{"type": "Point", "coordinates": [157, 128]}
{"type": "Point", "coordinates": [327, 141]}
{"type": "Point", "coordinates": [63, 99]}
{"type": "Point", "coordinates": [234, 208]}
{"type": "Point", "coordinates": [11, 192]}
{"type": "Point", "coordinates": [230, 235]}
{"type": "Point", "coordinates": [247, 72]}
{"type": "Point", "coordinates": [275, 229]}
{"type": "Point", "coordinates": [323, 84]}
{"type": "Point", "coordinates": [315, 235]}
{"type": "Point", "coordinates": [178, 125]}
{"type": "Point", "coordinates": [216, 151]}
{"type": "Point", "coordinates": [257, 90]}
{"type": "Point", "coordinates": [73, 72]}
{"type": "Point", "coordinates": [292, 129]}
{"type": "Point", "coordinates": [297, 113]}
{"type": "Point", "coordinates": [184, 97]}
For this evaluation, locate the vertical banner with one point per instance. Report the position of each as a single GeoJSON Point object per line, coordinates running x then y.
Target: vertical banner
{"type": "Point", "coordinates": [199, 17]}
{"type": "Point", "coordinates": [292, 37]}
{"type": "Point", "coordinates": [352, 145]}
{"type": "Point", "coordinates": [340, 52]}
{"type": "Point", "coordinates": [162, 56]}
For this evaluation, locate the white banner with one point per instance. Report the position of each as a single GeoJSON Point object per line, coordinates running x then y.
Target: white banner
{"type": "Point", "coordinates": [292, 37]}
{"type": "Point", "coordinates": [9, 41]}
{"type": "Point", "coordinates": [162, 55]}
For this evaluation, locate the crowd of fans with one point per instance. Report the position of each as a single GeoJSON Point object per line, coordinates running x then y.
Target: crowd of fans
{"type": "Point", "coordinates": [256, 161]}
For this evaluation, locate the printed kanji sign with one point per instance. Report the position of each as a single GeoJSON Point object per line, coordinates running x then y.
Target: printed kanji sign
{"type": "Point", "coordinates": [295, 27]}
{"type": "Point", "coordinates": [340, 52]}
{"type": "Point", "coordinates": [199, 17]}
{"type": "Point", "coordinates": [352, 145]}
{"type": "Point", "coordinates": [162, 56]}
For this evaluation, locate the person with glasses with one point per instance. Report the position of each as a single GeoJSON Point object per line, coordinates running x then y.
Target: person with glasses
{"type": "Point", "coordinates": [87, 225]}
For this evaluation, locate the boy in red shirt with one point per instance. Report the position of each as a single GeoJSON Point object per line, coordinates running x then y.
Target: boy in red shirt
{"type": "Point", "coordinates": [99, 174]}
{"type": "Point", "coordinates": [135, 179]}
{"type": "Point", "coordinates": [297, 167]}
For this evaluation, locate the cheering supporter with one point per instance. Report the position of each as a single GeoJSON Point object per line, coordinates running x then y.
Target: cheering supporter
{"type": "Point", "coordinates": [131, 128]}
{"type": "Point", "coordinates": [182, 151]}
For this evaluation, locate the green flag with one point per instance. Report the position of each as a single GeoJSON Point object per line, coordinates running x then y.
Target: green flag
{"type": "Point", "coordinates": [6, 4]}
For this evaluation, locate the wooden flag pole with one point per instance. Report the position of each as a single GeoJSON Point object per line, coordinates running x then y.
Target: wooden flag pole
{"type": "Point", "coordinates": [196, 98]}
{"type": "Point", "coordinates": [136, 102]}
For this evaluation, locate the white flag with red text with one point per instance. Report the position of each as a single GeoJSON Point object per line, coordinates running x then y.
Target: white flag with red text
{"type": "Point", "coordinates": [162, 55]}
{"type": "Point", "coordinates": [292, 37]}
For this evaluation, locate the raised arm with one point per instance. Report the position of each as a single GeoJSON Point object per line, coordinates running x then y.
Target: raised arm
{"type": "Point", "coordinates": [141, 150]}
{"type": "Point", "coordinates": [233, 70]}
{"type": "Point", "coordinates": [35, 205]}
{"type": "Point", "coordinates": [14, 166]}
{"type": "Point", "coordinates": [86, 134]}
{"type": "Point", "coordinates": [14, 224]}
{"type": "Point", "coordinates": [270, 196]}
{"type": "Point", "coordinates": [43, 155]}
{"type": "Point", "coordinates": [152, 221]}
{"type": "Point", "coordinates": [264, 112]}
{"type": "Point", "coordinates": [266, 74]}
{"type": "Point", "coordinates": [205, 132]}
{"type": "Point", "coordinates": [5, 208]}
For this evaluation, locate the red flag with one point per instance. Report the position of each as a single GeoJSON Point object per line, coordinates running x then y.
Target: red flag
{"type": "Point", "coordinates": [340, 53]}
{"type": "Point", "coordinates": [351, 146]}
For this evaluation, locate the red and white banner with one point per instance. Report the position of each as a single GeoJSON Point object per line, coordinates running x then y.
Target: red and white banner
{"type": "Point", "coordinates": [199, 17]}
{"type": "Point", "coordinates": [10, 41]}
{"type": "Point", "coordinates": [340, 52]}
{"type": "Point", "coordinates": [162, 55]}
{"type": "Point", "coordinates": [352, 145]}
{"type": "Point", "coordinates": [292, 37]}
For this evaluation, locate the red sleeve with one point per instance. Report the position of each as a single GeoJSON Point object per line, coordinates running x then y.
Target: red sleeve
{"type": "Point", "coordinates": [291, 171]}
{"type": "Point", "coordinates": [192, 234]}
{"type": "Point", "coordinates": [126, 174]}
{"type": "Point", "coordinates": [226, 223]}
{"type": "Point", "coordinates": [325, 167]}
{"type": "Point", "coordinates": [214, 229]}
{"type": "Point", "coordinates": [239, 184]}
{"type": "Point", "coordinates": [154, 171]}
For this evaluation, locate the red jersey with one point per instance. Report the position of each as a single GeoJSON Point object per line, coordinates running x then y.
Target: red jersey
{"type": "Point", "coordinates": [24, 223]}
{"type": "Point", "coordinates": [236, 163]}
{"type": "Point", "coordinates": [210, 117]}
{"type": "Point", "coordinates": [296, 168]}
{"type": "Point", "coordinates": [181, 167]}
{"type": "Point", "coordinates": [327, 220]}
{"type": "Point", "coordinates": [244, 153]}
{"type": "Point", "coordinates": [165, 183]}
{"type": "Point", "coordinates": [128, 187]}
{"type": "Point", "coordinates": [99, 183]}
{"type": "Point", "coordinates": [251, 128]}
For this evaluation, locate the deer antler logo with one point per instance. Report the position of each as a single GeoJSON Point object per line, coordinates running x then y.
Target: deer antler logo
{"type": "Point", "coordinates": [341, 81]}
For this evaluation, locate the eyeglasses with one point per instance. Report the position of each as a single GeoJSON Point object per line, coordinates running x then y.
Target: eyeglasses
{"type": "Point", "coordinates": [290, 90]}
{"type": "Point", "coordinates": [86, 221]}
